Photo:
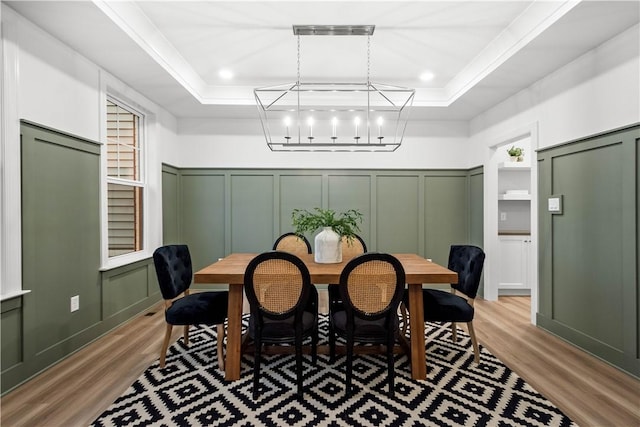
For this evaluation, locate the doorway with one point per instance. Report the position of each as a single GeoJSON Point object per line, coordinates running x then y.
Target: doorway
{"type": "Point", "coordinates": [510, 220]}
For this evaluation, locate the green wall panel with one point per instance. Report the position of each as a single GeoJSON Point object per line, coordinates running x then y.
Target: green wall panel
{"type": "Point", "coordinates": [252, 216]}
{"type": "Point", "coordinates": [588, 254]}
{"type": "Point", "coordinates": [257, 207]}
{"type": "Point", "coordinates": [353, 192]}
{"type": "Point", "coordinates": [124, 289]}
{"type": "Point", "coordinates": [476, 207]}
{"type": "Point", "coordinates": [587, 269]}
{"type": "Point", "coordinates": [202, 201]}
{"type": "Point", "coordinates": [476, 213]}
{"type": "Point", "coordinates": [297, 192]}
{"type": "Point", "coordinates": [60, 235]}
{"type": "Point", "coordinates": [170, 206]}
{"type": "Point", "coordinates": [11, 333]}
{"type": "Point", "coordinates": [61, 258]}
{"type": "Point", "coordinates": [446, 215]}
{"type": "Point", "coordinates": [397, 214]}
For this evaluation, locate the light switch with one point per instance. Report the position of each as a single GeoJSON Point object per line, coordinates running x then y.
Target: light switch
{"type": "Point", "coordinates": [555, 204]}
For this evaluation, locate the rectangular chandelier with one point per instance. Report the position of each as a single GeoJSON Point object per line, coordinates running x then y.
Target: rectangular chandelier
{"type": "Point", "coordinates": [336, 116]}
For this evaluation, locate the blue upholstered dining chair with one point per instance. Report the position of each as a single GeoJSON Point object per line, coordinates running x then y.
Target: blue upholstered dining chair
{"type": "Point", "coordinates": [456, 305]}
{"type": "Point", "coordinates": [278, 288]}
{"type": "Point", "coordinates": [175, 274]}
{"type": "Point", "coordinates": [371, 287]}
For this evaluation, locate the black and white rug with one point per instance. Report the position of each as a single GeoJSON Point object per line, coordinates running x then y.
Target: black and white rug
{"type": "Point", "coordinates": [191, 391]}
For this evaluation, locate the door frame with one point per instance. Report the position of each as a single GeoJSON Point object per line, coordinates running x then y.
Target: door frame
{"type": "Point", "coordinates": [491, 241]}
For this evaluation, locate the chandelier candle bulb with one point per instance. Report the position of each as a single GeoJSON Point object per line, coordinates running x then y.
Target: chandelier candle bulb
{"type": "Point", "coordinates": [334, 125]}
{"type": "Point", "coordinates": [287, 122]}
{"type": "Point", "coordinates": [357, 123]}
{"type": "Point", "coordinates": [310, 123]}
{"type": "Point", "coordinates": [380, 121]}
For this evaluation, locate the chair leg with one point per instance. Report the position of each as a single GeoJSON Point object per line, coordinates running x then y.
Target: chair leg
{"type": "Point", "coordinates": [165, 344]}
{"type": "Point", "coordinates": [220, 345]}
{"type": "Point", "coordinates": [390, 365]}
{"type": "Point", "coordinates": [405, 318]}
{"type": "Point", "coordinates": [314, 345]}
{"type": "Point", "coordinates": [474, 341]}
{"type": "Point", "coordinates": [256, 366]}
{"type": "Point", "coordinates": [299, 363]}
{"type": "Point", "coordinates": [332, 341]}
{"type": "Point", "coordinates": [349, 365]}
{"type": "Point", "coordinates": [186, 335]}
{"type": "Point", "coordinates": [454, 332]}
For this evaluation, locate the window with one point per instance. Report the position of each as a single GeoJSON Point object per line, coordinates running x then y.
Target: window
{"type": "Point", "coordinates": [125, 179]}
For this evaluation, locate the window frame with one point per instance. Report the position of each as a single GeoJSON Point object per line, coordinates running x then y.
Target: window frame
{"type": "Point", "coordinates": [109, 262]}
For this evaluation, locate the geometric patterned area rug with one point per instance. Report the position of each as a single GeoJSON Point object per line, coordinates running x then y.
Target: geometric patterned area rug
{"type": "Point", "coordinates": [191, 390]}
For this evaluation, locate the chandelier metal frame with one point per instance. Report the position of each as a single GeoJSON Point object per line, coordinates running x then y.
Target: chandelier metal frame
{"type": "Point", "coordinates": [290, 113]}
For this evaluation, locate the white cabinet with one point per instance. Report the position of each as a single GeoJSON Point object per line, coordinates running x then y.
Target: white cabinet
{"type": "Point", "coordinates": [514, 262]}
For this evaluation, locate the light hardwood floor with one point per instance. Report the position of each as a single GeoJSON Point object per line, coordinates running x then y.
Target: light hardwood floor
{"type": "Point", "coordinates": [78, 389]}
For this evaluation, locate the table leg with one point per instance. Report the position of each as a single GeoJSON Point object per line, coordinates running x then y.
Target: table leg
{"type": "Point", "coordinates": [234, 333]}
{"type": "Point", "coordinates": [416, 321]}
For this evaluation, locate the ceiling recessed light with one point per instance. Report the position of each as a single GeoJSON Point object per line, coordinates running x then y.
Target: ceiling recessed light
{"type": "Point", "coordinates": [225, 74]}
{"type": "Point", "coordinates": [427, 76]}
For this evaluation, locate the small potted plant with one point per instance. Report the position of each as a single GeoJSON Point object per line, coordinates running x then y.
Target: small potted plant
{"type": "Point", "coordinates": [327, 246]}
{"type": "Point", "coordinates": [516, 153]}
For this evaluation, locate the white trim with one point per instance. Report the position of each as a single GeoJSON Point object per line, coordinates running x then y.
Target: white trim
{"type": "Point", "coordinates": [121, 260]}
{"type": "Point", "coordinates": [12, 295]}
{"type": "Point", "coordinates": [10, 211]}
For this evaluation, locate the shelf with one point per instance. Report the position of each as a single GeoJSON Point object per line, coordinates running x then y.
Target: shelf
{"type": "Point", "coordinates": [514, 196]}
{"type": "Point", "coordinates": [520, 166]}
{"type": "Point", "coordinates": [514, 233]}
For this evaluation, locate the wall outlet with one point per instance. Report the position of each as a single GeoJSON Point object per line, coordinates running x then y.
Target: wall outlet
{"type": "Point", "coordinates": [503, 216]}
{"type": "Point", "coordinates": [75, 303]}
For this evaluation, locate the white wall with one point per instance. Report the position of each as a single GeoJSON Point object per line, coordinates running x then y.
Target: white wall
{"type": "Point", "coordinates": [241, 143]}
{"type": "Point", "coordinates": [46, 82]}
{"type": "Point", "coordinates": [597, 92]}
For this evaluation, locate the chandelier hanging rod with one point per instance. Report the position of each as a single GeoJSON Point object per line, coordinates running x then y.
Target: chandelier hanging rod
{"type": "Point", "coordinates": [333, 30]}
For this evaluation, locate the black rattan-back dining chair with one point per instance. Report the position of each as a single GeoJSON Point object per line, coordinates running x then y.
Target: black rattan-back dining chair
{"type": "Point", "coordinates": [351, 247]}
{"type": "Point", "coordinates": [175, 273]}
{"type": "Point", "coordinates": [456, 305]}
{"type": "Point", "coordinates": [371, 287]}
{"type": "Point", "coordinates": [278, 288]}
{"type": "Point", "coordinates": [297, 245]}
{"type": "Point", "coordinates": [293, 243]}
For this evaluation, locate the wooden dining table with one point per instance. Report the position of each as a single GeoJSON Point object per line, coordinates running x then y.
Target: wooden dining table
{"type": "Point", "coordinates": [418, 271]}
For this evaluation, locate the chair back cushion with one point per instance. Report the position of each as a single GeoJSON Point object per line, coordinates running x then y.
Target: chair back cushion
{"type": "Point", "coordinates": [291, 242]}
{"type": "Point", "coordinates": [173, 268]}
{"type": "Point", "coordinates": [352, 247]}
{"type": "Point", "coordinates": [277, 284]}
{"type": "Point", "coordinates": [467, 261]}
{"type": "Point", "coordinates": [372, 284]}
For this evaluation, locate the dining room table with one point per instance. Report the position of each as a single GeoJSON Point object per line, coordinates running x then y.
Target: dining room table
{"type": "Point", "coordinates": [418, 271]}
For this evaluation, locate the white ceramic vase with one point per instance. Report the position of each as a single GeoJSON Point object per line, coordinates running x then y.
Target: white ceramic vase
{"type": "Point", "coordinates": [328, 249]}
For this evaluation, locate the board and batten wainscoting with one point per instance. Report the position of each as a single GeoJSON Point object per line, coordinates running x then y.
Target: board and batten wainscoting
{"type": "Point", "coordinates": [216, 212]}
{"type": "Point", "coordinates": [589, 252]}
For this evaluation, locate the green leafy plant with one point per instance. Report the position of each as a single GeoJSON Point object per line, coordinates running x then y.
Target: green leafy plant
{"type": "Point", "coordinates": [344, 223]}
{"type": "Point", "coordinates": [515, 151]}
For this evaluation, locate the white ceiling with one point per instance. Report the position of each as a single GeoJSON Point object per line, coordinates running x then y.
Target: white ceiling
{"type": "Point", "coordinates": [480, 52]}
